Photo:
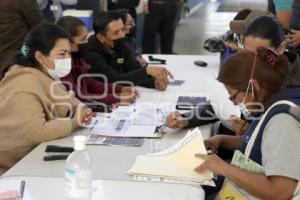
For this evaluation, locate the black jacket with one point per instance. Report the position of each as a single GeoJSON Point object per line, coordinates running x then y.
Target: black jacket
{"type": "Point", "coordinates": [116, 65]}
{"type": "Point", "coordinates": [123, 4]}
{"type": "Point", "coordinates": [203, 115]}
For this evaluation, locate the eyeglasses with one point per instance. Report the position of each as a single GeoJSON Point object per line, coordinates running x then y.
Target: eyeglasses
{"type": "Point", "coordinates": [232, 98]}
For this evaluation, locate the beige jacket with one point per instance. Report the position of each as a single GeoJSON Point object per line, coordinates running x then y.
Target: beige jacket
{"type": "Point", "coordinates": [33, 109]}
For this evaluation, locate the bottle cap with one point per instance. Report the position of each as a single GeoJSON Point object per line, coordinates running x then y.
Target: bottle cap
{"type": "Point", "coordinates": [79, 142]}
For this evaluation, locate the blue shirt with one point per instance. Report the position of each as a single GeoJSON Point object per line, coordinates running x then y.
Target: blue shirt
{"type": "Point", "coordinates": [283, 5]}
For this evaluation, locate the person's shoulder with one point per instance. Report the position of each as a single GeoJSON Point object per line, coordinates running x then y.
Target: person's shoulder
{"type": "Point", "coordinates": [25, 78]}
{"type": "Point", "coordinates": [92, 47]}
{"type": "Point", "coordinates": [283, 122]}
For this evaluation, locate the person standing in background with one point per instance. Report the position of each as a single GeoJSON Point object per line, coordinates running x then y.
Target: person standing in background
{"type": "Point", "coordinates": [129, 29]}
{"type": "Point", "coordinates": [17, 18]}
{"type": "Point", "coordinates": [294, 38]}
{"type": "Point", "coordinates": [129, 5]}
{"type": "Point", "coordinates": [160, 17]}
{"type": "Point", "coordinates": [284, 11]}
{"type": "Point", "coordinates": [271, 7]}
{"type": "Point", "coordinates": [295, 21]}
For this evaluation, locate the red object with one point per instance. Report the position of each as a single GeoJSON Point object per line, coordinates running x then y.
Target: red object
{"type": "Point", "coordinates": [90, 87]}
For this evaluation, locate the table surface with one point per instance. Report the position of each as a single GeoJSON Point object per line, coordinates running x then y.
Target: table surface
{"type": "Point", "coordinates": [48, 188]}
{"type": "Point", "coordinates": [112, 162]}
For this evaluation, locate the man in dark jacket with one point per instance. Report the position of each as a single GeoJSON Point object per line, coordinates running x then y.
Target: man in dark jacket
{"type": "Point", "coordinates": [109, 55]}
{"type": "Point", "coordinates": [17, 18]}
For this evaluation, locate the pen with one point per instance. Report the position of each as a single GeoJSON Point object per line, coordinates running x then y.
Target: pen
{"type": "Point", "coordinates": [161, 129]}
{"type": "Point", "coordinates": [56, 148]}
{"type": "Point", "coordinates": [56, 157]}
{"type": "Point", "coordinates": [22, 187]}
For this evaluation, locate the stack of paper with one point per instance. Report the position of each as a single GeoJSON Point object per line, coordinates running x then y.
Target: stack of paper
{"type": "Point", "coordinates": [129, 121]}
{"type": "Point", "coordinates": [114, 141]}
{"type": "Point", "coordinates": [111, 127]}
{"type": "Point", "coordinates": [175, 164]}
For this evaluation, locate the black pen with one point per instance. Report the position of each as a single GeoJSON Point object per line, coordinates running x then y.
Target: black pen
{"type": "Point", "coordinates": [22, 188]}
{"type": "Point", "coordinates": [56, 157]}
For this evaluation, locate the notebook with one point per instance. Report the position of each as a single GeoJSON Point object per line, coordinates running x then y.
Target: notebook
{"type": "Point", "coordinates": [191, 103]}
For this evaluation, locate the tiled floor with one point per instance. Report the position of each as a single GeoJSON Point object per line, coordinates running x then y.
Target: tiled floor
{"type": "Point", "coordinates": [206, 22]}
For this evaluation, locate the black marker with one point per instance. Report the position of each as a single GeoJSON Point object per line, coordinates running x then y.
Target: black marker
{"type": "Point", "coordinates": [22, 188]}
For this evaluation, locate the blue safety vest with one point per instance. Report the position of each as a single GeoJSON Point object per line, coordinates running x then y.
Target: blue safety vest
{"type": "Point", "coordinates": [291, 94]}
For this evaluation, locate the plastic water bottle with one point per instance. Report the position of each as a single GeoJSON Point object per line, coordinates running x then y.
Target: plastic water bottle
{"type": "Point", "coordinates": [78, 173]}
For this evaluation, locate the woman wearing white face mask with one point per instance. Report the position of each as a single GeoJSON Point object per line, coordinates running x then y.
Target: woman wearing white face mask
{"type": "Point", "coordinates": [272, 140]}
{"type": "Point", "coordinates": [34, 107]}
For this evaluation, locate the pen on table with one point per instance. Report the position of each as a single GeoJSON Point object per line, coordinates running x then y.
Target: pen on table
{"type": "Point", "coordinates": [56, 157]}
{"type": "Point", "coordinates": [22, 188]}
{"type": "Point", "coordinates": [161, 128]}
{"type": "Point", "coordinates": [92, 127]}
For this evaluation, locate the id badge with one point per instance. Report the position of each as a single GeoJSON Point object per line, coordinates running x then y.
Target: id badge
{"type": "Point", "coordinates": [229, 192]}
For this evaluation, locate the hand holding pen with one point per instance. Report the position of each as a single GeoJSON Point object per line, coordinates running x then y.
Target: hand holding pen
{"type": "Point", "coordinates": [175, 120]}
{"type": "Point", "coordinates": [83, 115]}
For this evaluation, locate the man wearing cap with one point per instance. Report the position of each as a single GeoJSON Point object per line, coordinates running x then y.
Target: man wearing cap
{"type": "Point", "coordinates": [264, 30]}
{"type": "Point", "coordinates": [239, 26]}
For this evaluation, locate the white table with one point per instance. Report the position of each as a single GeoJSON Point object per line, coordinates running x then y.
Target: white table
{"type": "Point", "coordinates": [46, 188]}
{"type": "Point", "coordinates": [113, 162]}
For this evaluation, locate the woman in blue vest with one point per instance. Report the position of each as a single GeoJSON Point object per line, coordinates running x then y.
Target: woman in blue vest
{"type": "Point", "coordinates": [255, 82]}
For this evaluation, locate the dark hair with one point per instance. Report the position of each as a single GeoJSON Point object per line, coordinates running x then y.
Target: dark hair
{"type": "Point", "coordinates": [103, 19]}
{"type": "Point", "coordinates": [41, 38]}
{"type": "Point", "coordinates": [243, 14]}
{"type": "Point", "coordinates": [270, 70]}
{"type": "Point", "coordinates": [123, 14]}
{"type": "Point", "coordinates": [266, 27]}
{"type": "Point", "coordinates": [70, 24]}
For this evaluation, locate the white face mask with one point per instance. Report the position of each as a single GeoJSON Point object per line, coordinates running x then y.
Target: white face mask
{"type": "Point", "coordinates": [243, 108]}
{"type": "Point", "coordinates": [62, 67]}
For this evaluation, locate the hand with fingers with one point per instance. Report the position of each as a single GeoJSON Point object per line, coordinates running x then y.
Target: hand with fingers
{"type": "Point", "coordinates": [132, 90]}
{"type": "Point", "coordinates": [83, 115]}
{"type": "Point", "coordinates": [127, 98]}
{"type": "Point", "coordinates": [160, 73]}
{"type": "Point", "coordinates": [175, 120]}
{"type": "Point", "coordinates": [294, 38]}
{"type": "Point", "coordinates": [211, 163]}
{"type": "Point", "coordinates": [160, 85]}
{"type": "Point", "coordinates": [239, 125]}
{"type": "Point", "coordinates": [146, 9]}
{"type": "Point", "coordinates": [213, 143]}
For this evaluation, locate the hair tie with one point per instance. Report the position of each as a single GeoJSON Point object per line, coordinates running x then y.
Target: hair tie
{"type": "Point", "coordinates": [271, 57]}
{"type": "Point", "coordinates": [25, 50]}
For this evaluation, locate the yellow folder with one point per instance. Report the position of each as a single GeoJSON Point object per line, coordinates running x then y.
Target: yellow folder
{"type": "Point", "coordinates": [177, 162]}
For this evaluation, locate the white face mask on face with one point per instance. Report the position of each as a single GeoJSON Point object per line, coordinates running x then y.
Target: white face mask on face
{"type": "Point", "coordinates": [243, 108]}
{"type": "Point", "coordinates": [62, 67]}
